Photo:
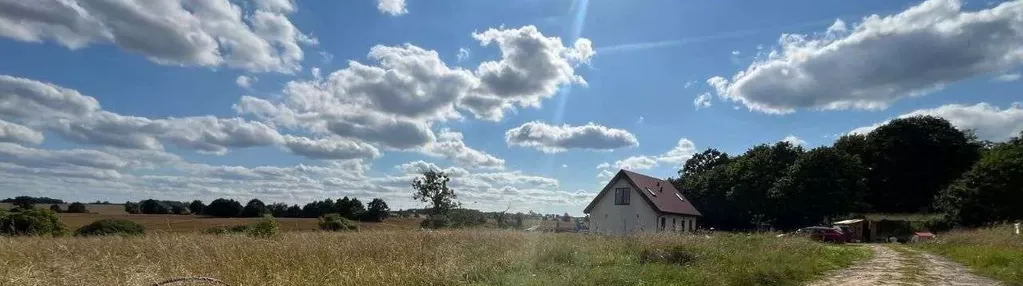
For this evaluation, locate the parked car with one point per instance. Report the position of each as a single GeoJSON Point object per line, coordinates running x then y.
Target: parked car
{"type": "Point", "coordinates": [823, 233]}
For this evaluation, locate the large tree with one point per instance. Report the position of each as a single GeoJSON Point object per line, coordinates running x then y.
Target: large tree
{"type": "Point", "coordinates": [432, 188]}
{"type": "Point", "coordinates": [753, 175]}
{"type": "Point", "coordinates": [378, 210]}
{"type": "Point", "coordinates": [821, 185]}
{"type": "Point", "coordinates": [255, 208]}
{"type": "Point", "coordinates": [910, 159]}
{"type": "Point", "coordinates": [196, 207]}
{"type": "Point", "coordinates": [991, 191]}
{"type": "Point", "coordinates": [223, 208]}
{"type": "Point", "coordinates": [702, 162]}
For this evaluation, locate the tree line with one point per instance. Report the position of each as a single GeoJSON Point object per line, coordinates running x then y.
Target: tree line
{"type": "Point", "coordinates": [919, 164]}
{"type": "Point", "coordinates": [350, 208]}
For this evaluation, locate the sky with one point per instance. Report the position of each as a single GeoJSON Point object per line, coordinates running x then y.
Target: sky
{"type": "Point", "coordinates": [526, 104]}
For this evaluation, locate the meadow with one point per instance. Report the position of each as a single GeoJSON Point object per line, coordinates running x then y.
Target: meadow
{"type": "Point", "coordinates": [994, 252]}
{"type": "Point", "coordinates": [450, 257]}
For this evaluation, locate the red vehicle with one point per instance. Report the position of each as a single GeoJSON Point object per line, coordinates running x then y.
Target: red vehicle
{"type": "Point", "coordinates": [823, 233]}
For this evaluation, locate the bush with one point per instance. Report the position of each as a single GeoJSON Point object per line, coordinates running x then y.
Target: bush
{"type": "Point", "coordinates": [31, 221]}
{"type": "Point", "coordinates": [265, 227]}
{"type": "Point", "coordinates": [435, 222]}
{"type": "Point", "coordinates": [56, 208]}
{"type": "Point", "coordinates": [111, 227]}
{"type": "Point", "coordinates": [215, 230]}
{"type": "Point", "coordinates": [78, 208]}
{"type": "Point", "coordinates": [335, 222]}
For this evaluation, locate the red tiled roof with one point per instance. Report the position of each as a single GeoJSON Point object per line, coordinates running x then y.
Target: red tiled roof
{"type": "Point", "coordinates": [663, 199]}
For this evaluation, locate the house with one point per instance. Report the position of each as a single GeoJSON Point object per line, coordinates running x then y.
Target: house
{"type": "Point", "coordinates": [633, 203]}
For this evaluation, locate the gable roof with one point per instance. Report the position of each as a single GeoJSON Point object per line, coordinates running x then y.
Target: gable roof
{"type": "Point", "coordinates": [664, 199]}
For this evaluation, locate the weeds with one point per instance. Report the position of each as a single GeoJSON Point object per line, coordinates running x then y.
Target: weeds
{"type": "Point", "coordinates": [994, 252]}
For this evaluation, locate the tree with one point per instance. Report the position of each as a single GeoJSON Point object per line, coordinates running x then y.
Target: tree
{"type": "Point", "coordinates": [378, 210]}
{"type": "Point", "coordinates": [852, 144]}
{"type": "Point", "coordinates": [77, 207]}
{"type": "Point", "coordinates": [821, 185]}
{"type": "Point", "coordinates": [31, 221]}
{"type": "Point", "coordinates": [432, 188]}
{"type": "Point", "coordinates": [910, 160]}
{"type": "Point", "coordinates": [349, 208]}
{"type": "Point", "coordinates": [223, 208]}
{"type": "Point", "coordinates": [294, 211]}
{"type": "Point", "coordinates": [991, 191]}
{"type": "Point", "coordinates": [23, 202]}
{"type": "Point", "coordinates": [154, 207]}
{"type": "Point", "coordinates": [132, 208]}
{"type": "Point", "coordinates": [277, 209]}
{"type": "Point", "coordinates": [255, 208]}
{"type": "Point", "coordinates": [703, 162]}
{"type": "Point", "coordinates": [56, 208]}
{"type": "Point", "coordinates": [196, 207]}
{"type": "Point", "coordinates": [566, 218]}
{"type": "Point", "coordinates": [753, 175]}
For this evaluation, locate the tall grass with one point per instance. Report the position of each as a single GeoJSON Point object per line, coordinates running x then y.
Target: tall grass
{"type": "Point", "coordinates": [994, 252]}
{"type": "Point", "coordinates": [416, 258]}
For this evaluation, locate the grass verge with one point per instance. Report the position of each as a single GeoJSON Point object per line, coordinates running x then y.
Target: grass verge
{"type": "Point", "coordinates": [420, 258]}
{"type": "Point", "coordinates": [992, 252]}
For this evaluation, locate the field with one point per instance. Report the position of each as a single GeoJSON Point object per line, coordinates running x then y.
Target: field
{"type": "Point", "coordinates": [192, 223]}
{"type": "Point", "coordinates": [993, 252]}
{"type": "Point", "coordinates": [465, 257]}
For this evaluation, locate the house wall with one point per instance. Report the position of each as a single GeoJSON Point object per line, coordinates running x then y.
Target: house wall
{"type": "Point", "coordinates": [611, 219]}
{"type": "Point", "coordinates": [678, 223]}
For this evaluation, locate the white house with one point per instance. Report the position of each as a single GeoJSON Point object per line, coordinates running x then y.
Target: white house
{"type": "Point", "coordinates": [632, 202]}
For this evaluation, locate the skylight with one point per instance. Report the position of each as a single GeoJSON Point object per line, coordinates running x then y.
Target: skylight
{"type": "Point", "coordinates": [680, 197]}
{"type": "Point", "coordinates": [651, 192]}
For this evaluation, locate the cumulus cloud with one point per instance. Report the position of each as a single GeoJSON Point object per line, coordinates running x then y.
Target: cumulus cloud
{"type": "Point", "coordinates": [702, 101]}
{"type": "Point", "coordinates": [174, 32]}
{"type": "Point", "coordinates": [16, 133]}
{"type": "Point", "coordinates": [245, 81]}
{"type": "Point", "coordinates": [463, 54]}
{"type": "Point", "coordinates": [394, 102]}
{"type": "Point", "coordinates": [795, 141]}
{"type": "Point", "coordinates": [392, 7]}
{"type": "Point", "coordinates": [330, 148]}
{"type": "Point", "coordinates": [881, 59]}
{"type": "Point", "coordinates": [987, 121]}
{"type": "Point", "coordinates": [677, 156]}
{"type": "Point", "coordinates": [554, 139]}
{"type": "Point", "coordinates": [80, 118]}
{"type": "Point", "coordinates": [450, 145]}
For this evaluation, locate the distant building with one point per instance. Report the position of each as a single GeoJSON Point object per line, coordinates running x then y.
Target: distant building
{"type": "Point", "coordinates": [633, 203]}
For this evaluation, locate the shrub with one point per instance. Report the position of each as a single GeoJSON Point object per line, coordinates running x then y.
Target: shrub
{"type": "Point", "coordinates": [78, 208]}
{"type": "Point", "coordinates": [238, 228]}
{"type": "Point", "coordinates": [435, 222]}
{"type": "Point", "coordinates": [31, 221]}
{"type": "Point", "coordinates": [56, 208]}
{"type": "Point", "coordinates": [111, 227]}
{"type": "Point", "coordinates": [215, 230]}
{"type": "Point", "coordinates": [335, 222]}
{"type": "Point", "coordinates": [265, 227]}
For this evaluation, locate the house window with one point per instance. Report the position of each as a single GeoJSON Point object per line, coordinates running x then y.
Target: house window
{"type": "Point", "coordinates": [662, 222]}
{"type": "Point", "coordinates": [674, 225]}
{"type": "Point", "coordinates": [622, 196]}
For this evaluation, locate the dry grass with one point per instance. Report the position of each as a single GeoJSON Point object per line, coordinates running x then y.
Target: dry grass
{"type": "Point", "coordinates": [993, 252]}
{"type": "Point", "coordinates": [415, 258]}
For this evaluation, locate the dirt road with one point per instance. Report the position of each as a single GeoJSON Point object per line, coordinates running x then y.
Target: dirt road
{"type": "Point", "coordinates": [903, 267]}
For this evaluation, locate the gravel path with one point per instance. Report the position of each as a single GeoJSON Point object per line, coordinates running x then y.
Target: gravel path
{"type": "Point", "coordinates": [884, 269]}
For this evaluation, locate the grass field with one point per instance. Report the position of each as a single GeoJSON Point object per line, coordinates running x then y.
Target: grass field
{"type": "Point", "coordinates": [993, 252]}
{"type": "Point", "coordinates": [193, 223]}
{"type": "Point", "coordinates": [467, 257]}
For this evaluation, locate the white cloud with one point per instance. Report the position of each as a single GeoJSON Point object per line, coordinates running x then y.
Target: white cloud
{"type": "Point", "coordinates": [735, 52]}
{"type": "Point", "coordinates": [1007, 77]}
{"type": "Point", "coordinates": [795, 141]}
{"type": "Point", "coordinates": [450, 146]}
{"type": "Point", "coordinates": [881, 59]}
{"type": "Point", "coordinates": [677, 156]}
{"type": "Point", "coordinates": [702, 101]}
{"type": "Point", "coordinates": [636, 163]}
{"type": "Point", "coordinates": [16, 133]}
{"type": "Point", "coordinates": [463, 54]}
{"type": "Point", "coordinates": [689, 83]}
{"type": "Point", "coordinates": [640, 120]}
{"type": "Point", "coordinates": [245, 81]}
{"type": "Point", "coordinates": [330, 148]}
{"type": "Point", "coordinates": [989, 122]}
{"type": "Point", "coordinates": [554, 139]}
{"type": "Point", "coordinates": [392, 7]}
{"type": "Point", "coordinates": [564, 165]}
{"type": "Point", "coordinates": [172, 32]}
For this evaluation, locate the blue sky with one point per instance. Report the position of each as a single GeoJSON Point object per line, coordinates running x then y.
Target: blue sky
{"type": "Point", "coordinates": [529, 104]}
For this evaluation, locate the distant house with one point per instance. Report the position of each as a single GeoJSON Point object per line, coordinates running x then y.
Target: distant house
{"type": "Point", "coordinates": [632, 203]}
